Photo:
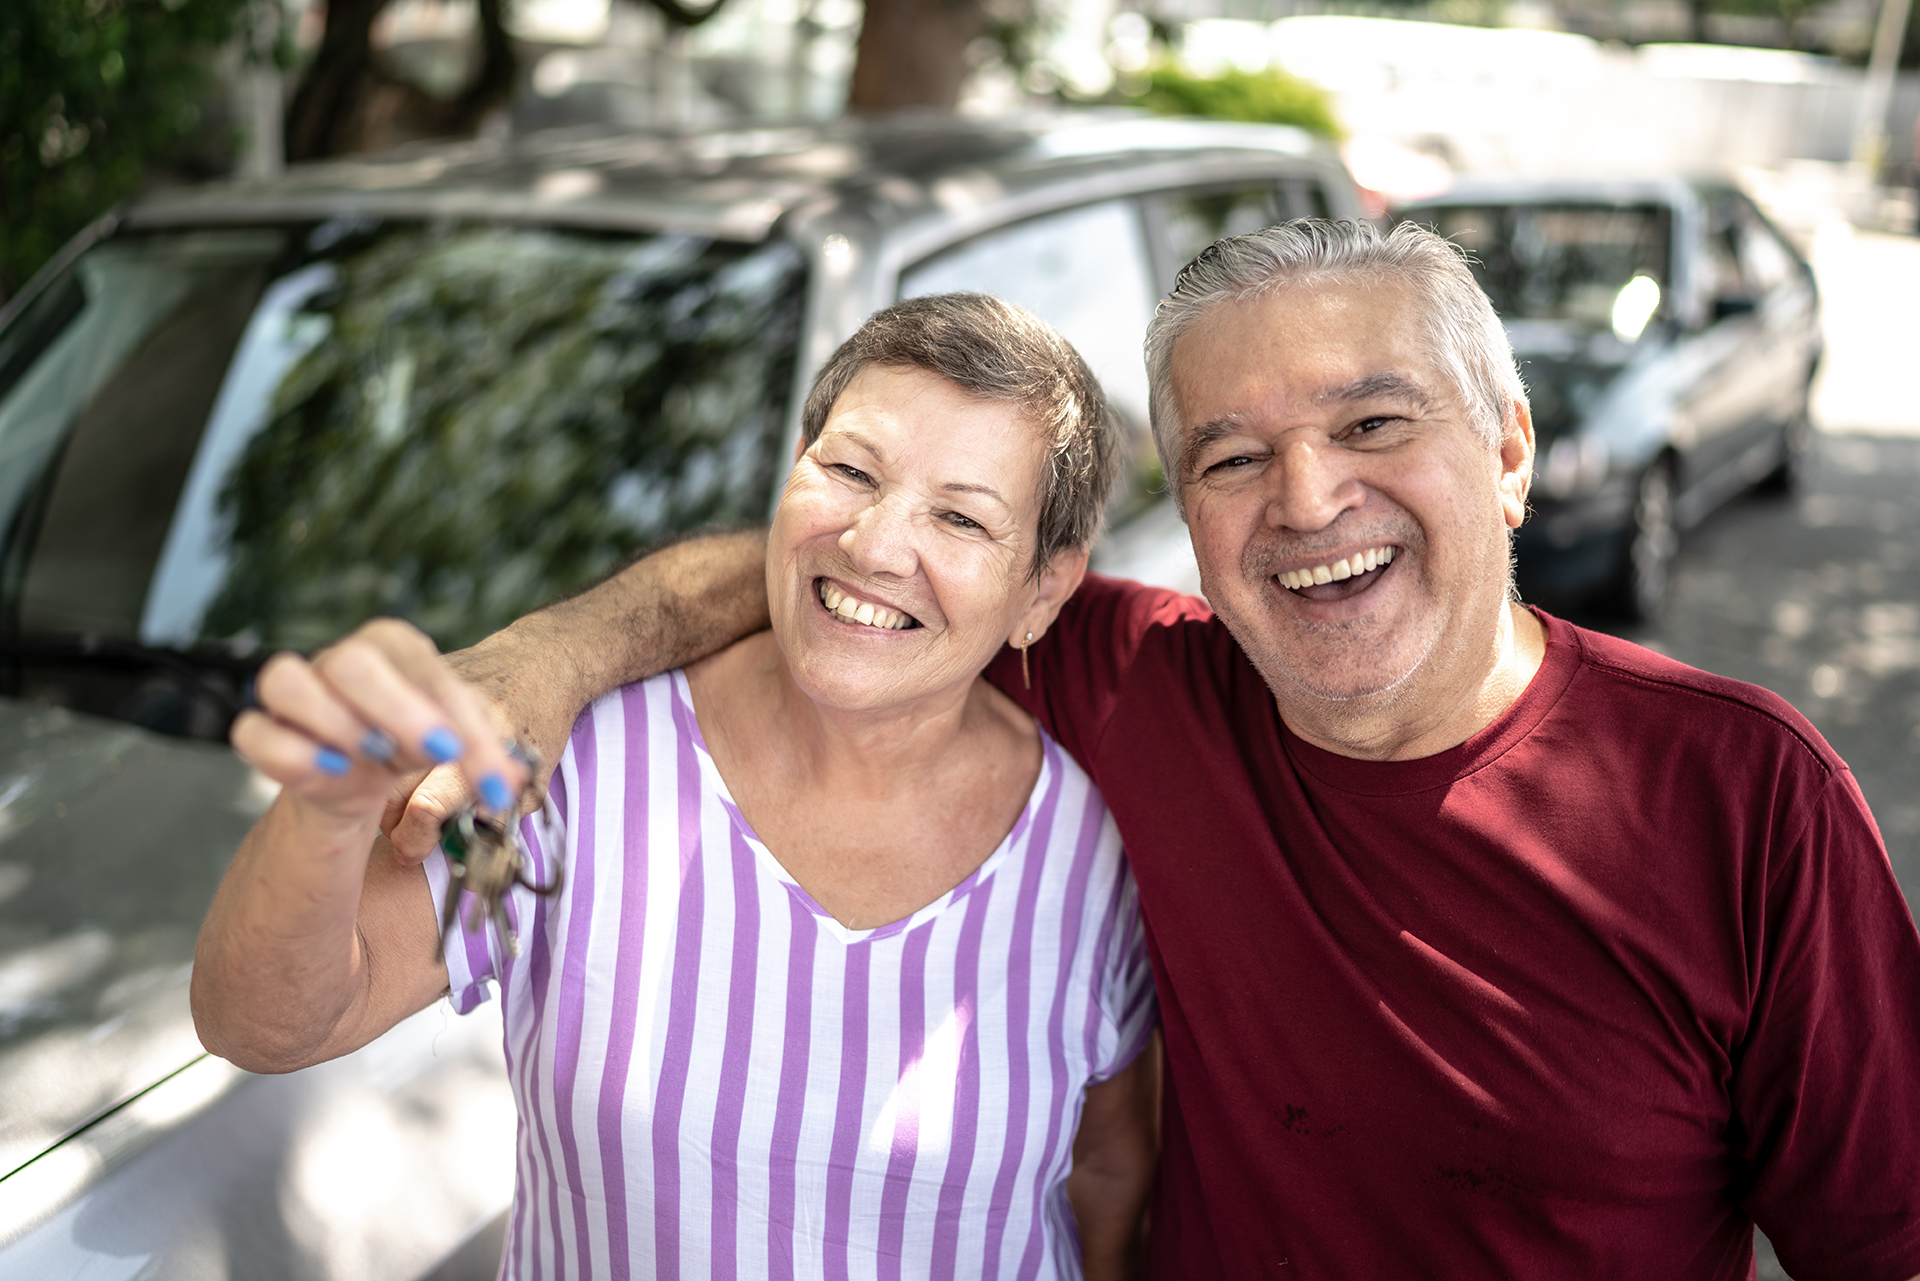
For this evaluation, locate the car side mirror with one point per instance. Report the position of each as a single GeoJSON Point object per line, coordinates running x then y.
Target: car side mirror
{"type": "Point", "coordinates": [1733, 305]}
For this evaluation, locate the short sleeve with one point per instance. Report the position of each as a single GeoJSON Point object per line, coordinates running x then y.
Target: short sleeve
{"type": "Point", "coordinates": [1128, 1010]}
{"type": "Point", "coordinates": [478, 956]}
{"type": "Point", "coordinates": [1827, 1084]}
{"type": "Point", "coordinates": [1078, 669]}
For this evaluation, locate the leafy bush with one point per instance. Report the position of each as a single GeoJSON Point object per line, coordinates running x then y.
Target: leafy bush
{"type": "Point", "coordinates": [1266, 97]}
{"type": "Point", "coordinates": [92, 92]}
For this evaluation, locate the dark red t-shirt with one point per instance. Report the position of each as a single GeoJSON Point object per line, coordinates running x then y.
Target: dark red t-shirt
{"type": "Point", "coordinates": [1572, 999]}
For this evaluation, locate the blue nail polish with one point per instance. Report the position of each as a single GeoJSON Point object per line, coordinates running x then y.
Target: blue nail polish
{"type": "Point", "coordinates": [495, 792]}
{"type": "Point", "coordinates": [443, 745]}
{"type": "Point", "coordinates": [377, 745]}
{"type": "Point", "coordinates": [331, 762]}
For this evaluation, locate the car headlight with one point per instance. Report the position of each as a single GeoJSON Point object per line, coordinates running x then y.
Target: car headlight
{"type": "Point", "coordinates": [1574, 465]}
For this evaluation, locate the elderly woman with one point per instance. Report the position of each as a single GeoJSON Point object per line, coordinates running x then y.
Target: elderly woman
{"type": "Point", "coordinates": [846, 978]}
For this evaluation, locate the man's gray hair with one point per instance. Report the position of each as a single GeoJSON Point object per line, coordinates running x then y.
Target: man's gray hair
{"type": "Point", "coordinates": [1465, 339]}
{"type": "Point", "coordinates": [997, 351]}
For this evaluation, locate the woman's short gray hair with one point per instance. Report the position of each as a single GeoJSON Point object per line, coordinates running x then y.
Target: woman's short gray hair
{"type": "Point", "coordinates": [1465, 339]}
{"type": "Point", "coordinates": [996, 351]}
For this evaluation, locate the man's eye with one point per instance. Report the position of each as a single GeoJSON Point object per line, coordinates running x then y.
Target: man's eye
{"type": "Point", "coordinates": [1229, 464]}
{"type": "Point", "coordinates": [1366, 425]}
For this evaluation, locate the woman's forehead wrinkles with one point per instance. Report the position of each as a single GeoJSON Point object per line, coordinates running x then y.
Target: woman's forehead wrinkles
{"type": "Point", "coordinates": [853, 437]}
{"type": "Point", "coordinates": [972, 487]}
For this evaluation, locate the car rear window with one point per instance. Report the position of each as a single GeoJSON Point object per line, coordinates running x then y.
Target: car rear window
{"type": "Point", "coordinates": [216, 443]}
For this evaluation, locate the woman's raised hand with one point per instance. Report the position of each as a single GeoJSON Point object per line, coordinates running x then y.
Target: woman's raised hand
{"type": "Point", "coordinates": [365, 718]}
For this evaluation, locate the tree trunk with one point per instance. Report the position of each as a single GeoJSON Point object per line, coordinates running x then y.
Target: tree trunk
{"type": "Point", "coordinates": [325, 116]}
{"type": "Point", "coordinates": [1697, 21]}
{"type": "Point", "coordinates": [913, 53]}
{"type": "Point", "coordinates": [348, 103]}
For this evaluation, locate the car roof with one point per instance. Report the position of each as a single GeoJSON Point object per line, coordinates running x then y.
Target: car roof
{"type": "Point", "coordinates": [735, 183]}
{"type": "Point", "coordinates": [1534, 191]}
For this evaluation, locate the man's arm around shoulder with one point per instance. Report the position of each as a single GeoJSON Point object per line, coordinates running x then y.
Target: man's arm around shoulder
{"type": "Point", "coordinates": [664, 610]}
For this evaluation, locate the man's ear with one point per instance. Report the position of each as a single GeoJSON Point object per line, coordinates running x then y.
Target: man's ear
{"type": "Point", "coordinates": [1056, 582]}
{"type": "Point", "coordinates": [1516, 461]}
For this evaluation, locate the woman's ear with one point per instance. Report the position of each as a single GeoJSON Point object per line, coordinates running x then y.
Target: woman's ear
{"type": "Point", "coordinates": [1058, 580]}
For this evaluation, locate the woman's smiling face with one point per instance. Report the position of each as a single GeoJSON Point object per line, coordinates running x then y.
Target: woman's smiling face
{"type": "Point", "coordinates": [900, 556]}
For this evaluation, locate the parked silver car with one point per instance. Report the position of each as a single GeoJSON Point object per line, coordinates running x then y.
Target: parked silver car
{"type": "Point", "coordinates": [448, 384]}
{"type": "Point", "coordinates": [1668, 334]}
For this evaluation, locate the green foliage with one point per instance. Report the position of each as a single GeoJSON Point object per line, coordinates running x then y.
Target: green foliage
{"type": "Point", "coordinates": [92, 92]}
{"type": "Point", "coordinates": [1266, 97]}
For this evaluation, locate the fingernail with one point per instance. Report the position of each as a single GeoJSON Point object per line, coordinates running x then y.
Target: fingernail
{"type": "Point", "coordinates": [443, 745]}
{"type": "Point", "coordinates": [495, 792]}
{"type": "Point", "coordinates": [377, 745]}
{"type": "Point", "coordinates": [332, 762]}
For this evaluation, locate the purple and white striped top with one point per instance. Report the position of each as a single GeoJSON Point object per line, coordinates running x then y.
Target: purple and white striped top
{"type": "Point", "coordinates": [717, 1079]}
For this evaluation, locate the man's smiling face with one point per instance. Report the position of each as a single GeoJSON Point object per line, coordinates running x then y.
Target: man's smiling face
{"type": "Point", "coordinates": [1316, 431]}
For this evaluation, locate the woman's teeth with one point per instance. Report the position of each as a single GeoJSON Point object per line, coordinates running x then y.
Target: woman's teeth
{"type": "Point", "coordinates": [1334, 571]}
{"type": "Point", "coordinates": [863, 612]}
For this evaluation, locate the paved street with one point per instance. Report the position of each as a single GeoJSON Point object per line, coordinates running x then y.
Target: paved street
{"type": "Point", "coordinates": [1817, 597]}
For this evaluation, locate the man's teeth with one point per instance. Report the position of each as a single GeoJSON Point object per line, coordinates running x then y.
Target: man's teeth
{"type": "Point", "coordinates": [1334, 571]}
{"type": "Point", "coordinates": [863, 612]}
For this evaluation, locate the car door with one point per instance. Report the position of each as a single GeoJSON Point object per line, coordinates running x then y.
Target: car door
{"type": "Point", "coordinates": [1089, 271]}
{"type": "Point", "coordinates": [1715, 410]}
{"type": "Point", "coordinates": [1783, 341]}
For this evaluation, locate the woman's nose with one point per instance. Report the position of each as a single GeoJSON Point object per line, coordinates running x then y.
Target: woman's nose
{"type": "Point", "coordinates": [1313, 484]}
{"type": "Point", "coordinates": [881, 539]}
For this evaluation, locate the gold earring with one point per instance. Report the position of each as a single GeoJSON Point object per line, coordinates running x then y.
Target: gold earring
{"type": "Point", "coordinates": [1026, 677]}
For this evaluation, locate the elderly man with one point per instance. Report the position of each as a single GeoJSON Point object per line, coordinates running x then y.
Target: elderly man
{"type": "Point", "coordinates": [1486, 945]}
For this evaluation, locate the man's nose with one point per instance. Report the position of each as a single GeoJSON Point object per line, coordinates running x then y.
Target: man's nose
{"type": "Point", "coordinates": [883, 538]}
{"type": "Point", "coordinates": [1312, 485]}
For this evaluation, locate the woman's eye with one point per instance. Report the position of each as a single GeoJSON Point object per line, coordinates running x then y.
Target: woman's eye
{"type": "Point", "coordinates": [963, 522]}
{"type": "Point", "coordinates": [853, 474]}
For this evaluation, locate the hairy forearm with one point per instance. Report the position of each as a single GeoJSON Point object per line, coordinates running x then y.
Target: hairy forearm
{"type": "Point", "coordinates": [661, 612]}
{"type": "Point", "coordinates": [279, 968]}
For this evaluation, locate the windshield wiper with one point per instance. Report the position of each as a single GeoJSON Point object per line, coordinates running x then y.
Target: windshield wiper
{"type": "Point", "coordinates": [192, 666]}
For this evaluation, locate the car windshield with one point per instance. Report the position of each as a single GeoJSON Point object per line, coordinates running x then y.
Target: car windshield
{"type": "Point", "coordinates": [1572, 263]}
{"type": "Point", "coordinates": [215, 443]}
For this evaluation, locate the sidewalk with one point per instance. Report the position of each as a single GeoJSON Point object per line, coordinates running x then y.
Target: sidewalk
{"type": "Point", "coordinates": [1870, 308]}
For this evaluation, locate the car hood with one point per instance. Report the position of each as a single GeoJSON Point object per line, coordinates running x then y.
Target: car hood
{"type": "Point", "coordinates": [112, 840]}
{"type": "Point", "coordinates": [1569, 373]}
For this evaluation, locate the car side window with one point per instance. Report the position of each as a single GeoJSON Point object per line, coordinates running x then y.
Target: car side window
{"type": "Point", "coordinates": [1304, 198]}
{"type": "Point", "coordinates": [1087, 272]}
{"type": "Point", "coordinates": [1084, 271]}
{"type": "Point", "coordinates": [1764, 261]}
{"type": "Point", "coordinates": [1725, 280]}
{"type": "Point", "coordinates": [1195, 219]}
